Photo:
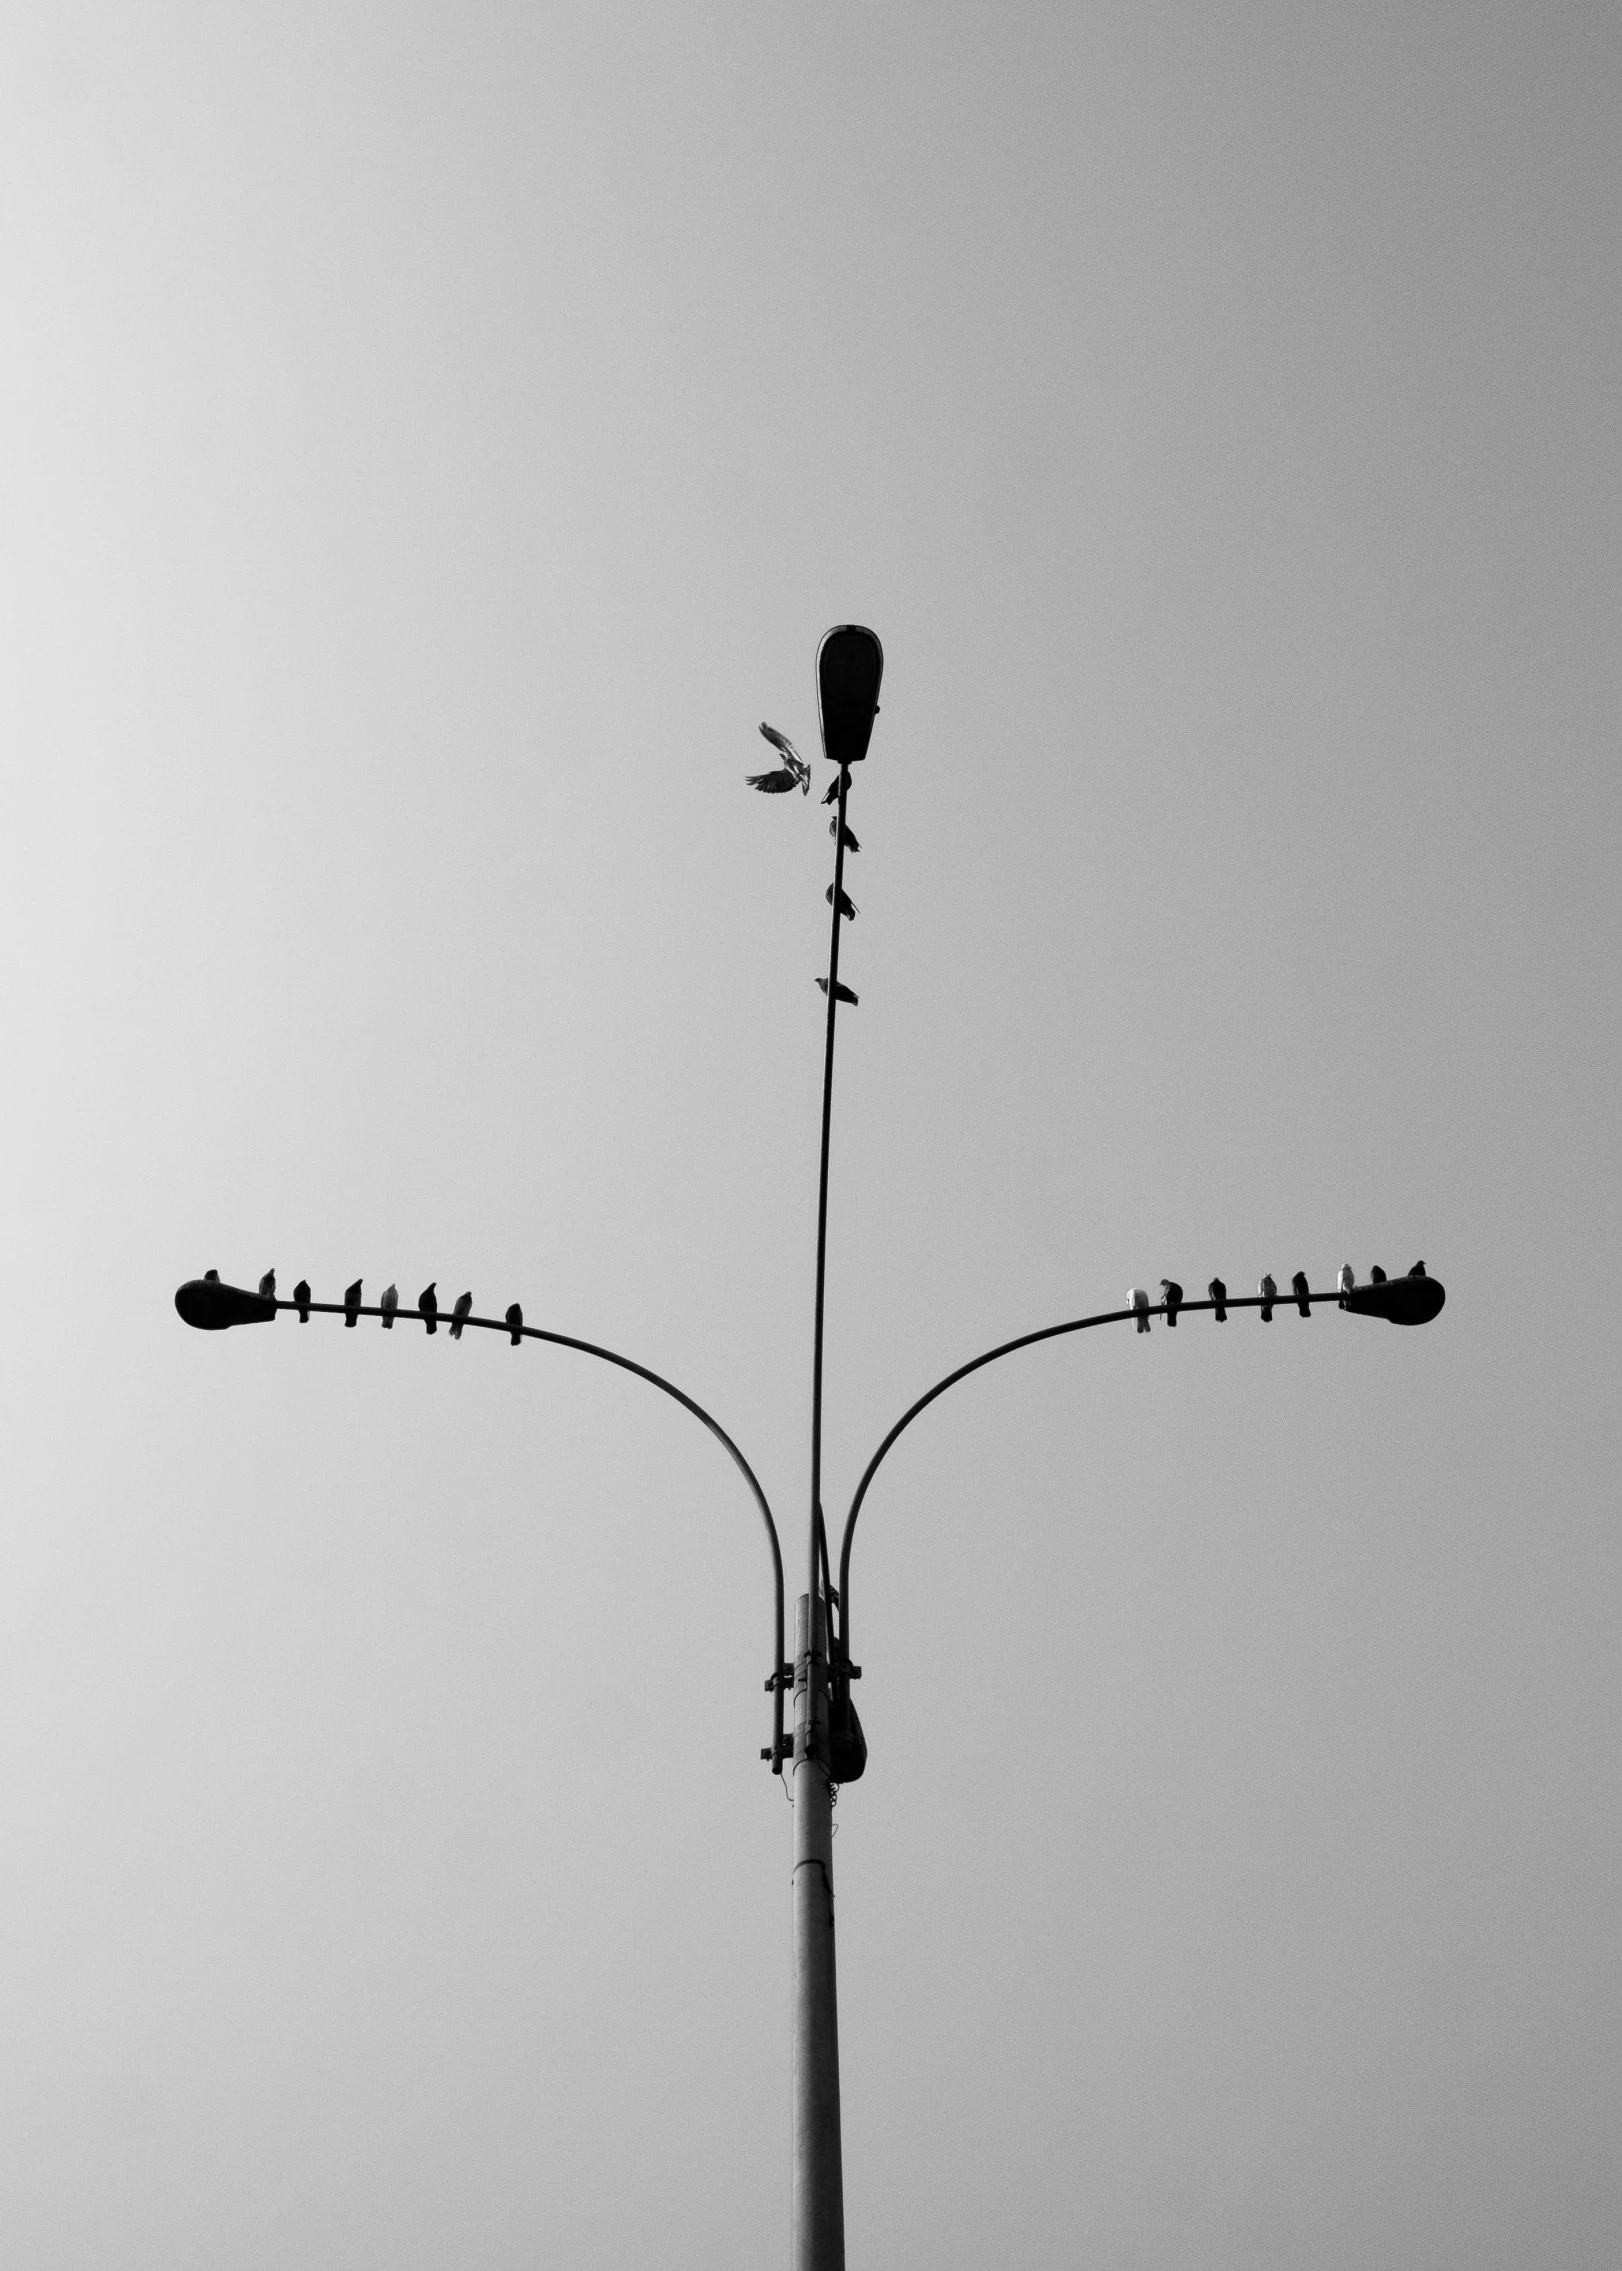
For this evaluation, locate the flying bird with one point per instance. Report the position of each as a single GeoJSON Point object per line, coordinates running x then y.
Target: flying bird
{"type": "Point", "coordinates": [301, 1294]}
{"type": "Point", "coordinates": [1346, 1280]}
{"type": "Point", "coordinates": [1269, 1293]}
{"type": "Point", "coordinates": [1174, 1298]}
{"type": "Point", "coordinates": [428, 1305]}
{"type": "Point", "coordinates": [848, 839]}
{"type": "Point", "coordinates": [1137, 1300]}
{"type": "Point", "coordinates": [794, 773]}
{"type": "Point", "coordinates": [1219, 1295]}
{"type": "Point", "coordinates": [267, 1285]}
{"type": "Point", "coordinates": [841, 993]}
{"type": "Point", "coordinates": [515, 1323]}
{"type": "Point", "coordinates": [389, 1303]}
{"type": "Point", "coordinates": [1298, 1286]}
{"type": "Point", "coordinates": [845, 907]}
{"type": "Point", "coordinates": [460, 1314]}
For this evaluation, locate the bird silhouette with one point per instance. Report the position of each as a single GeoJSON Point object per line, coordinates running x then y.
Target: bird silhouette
{"type": "Point", "coordinates": [841, 993]}
{"type": "Point", "coordinates": [1137, 1300]}
{"type": "Point", "coordinates": [1418, 1270]}
{"type": "Point", "coordinates": [389, 1303]}
{"type": "Point", "coordinates": [1219, 1295]}
{"type": "Point", "coordinates": [832, 796]}
{"type": "Point", "coordinates": [211, 1277]}
{"type": "Point", "coordinates": [301, 1294]}
{"type": "Point", "coordinates": [1269, 1293]}
{"type": "Point", "coordinates": [515, 1323]}
{"type": "Point", "coordinates": [351, 1302]}
{"type": "Point", "coordinates": [849, 838]}
{"type": "Point", "coordinates": [1377, 1275]}
{"type": "Point", "coordinates": [1346, 1280]}
{"type": "Point", "coordinates": [845, 907]}
{"type": "Point", "coordinates": [794, 773]}
{"type": "Point", "coordinates": [1298, 1286]}
{"type": "Point", "coordinates": [428, 1305]}
{"type": "Point", "coordinates": [267, 1285]}
{"type": "Point", "coordinates": [1174, 1298]}
{"type": "Point", "coordinates": [459, 1315]}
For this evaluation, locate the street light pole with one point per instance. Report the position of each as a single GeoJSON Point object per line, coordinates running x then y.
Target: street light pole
{"type": "Point", "coordinates": [827, 1745]}
{"type": "Point", "coordinates": [850, 666]}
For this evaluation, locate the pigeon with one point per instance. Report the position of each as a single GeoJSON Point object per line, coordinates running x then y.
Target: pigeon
{"type": "Point", "coordinates": [211, 1277]}
{"type": "Point", "coordinates": [790, 755]}
{"type": "Point", "coordinates": [428, 1305]}
{"type": "Point", "coordinates": [845, 907]}
{"type": "Point", "coordinates": [352, 1302]}
{"type": "Point", "coordinates": [1174, 1298]}
{"type": "Point", "coordinates": [841, 993]}
{"type": "Point", "coordinates": [301, 1294]}
{"type": "Point", "coordinates": [1377, 1275]}
{"type": "Point", "coordinates": [459, 1315]}
{"type": "Point", "coordinates": [1269, 1293]}
{"type": "Point", "coordinates": [515, 1323]}
{"type": "Point", "coordinates": [848, 839]}
{"type": "Point", "coordinates": [794, 773]}
{"type": "Point", "coordinates": [1298, 1286]}
{"type": "Point", "coordinates": [1138, 1301]}
{"type": "Point", "coordinates": [267, 1285]}
{"type": "Point", "coordinates": [1418, 1270]}
{"type": "Point", "coordinates": [1219, 1295]}
{"type": "Point", "coordinates": [832, 796]}
{"type": "Point", "coordinates": [1346, 1280]}
{"type": "Point", "coordinates": [390, 1302]}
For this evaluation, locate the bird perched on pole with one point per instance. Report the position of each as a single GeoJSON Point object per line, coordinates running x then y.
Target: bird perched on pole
{"type": "Point", "coordinates": [793, 773]}
{"type": "Point", "coordinates": [1269, 1293]}
{"type": "Point", "coordinates": [1298, 1286]}
{"type": "Point", "coordinates": [1174, 1298]}
{"type": "Point", "coordinates": [832, 796]}
{"type": "Point", "coordinates": [848, 839]}
{"type": "Point", "coordinates": [845, 907]}
{"type": "Point", "coordinates": [351, 1302]}
{"type": "Point", "coordinates": [515, 1323]}
{"type": "Point", "coordinates": [267, 1285]}
{"type": "Point", "coordinates": [1137, 1300]}
{"type": "Point", "coordinates": [389, 1304]}
{"type": "Point", "coordinates": [841, 993]}
{"type": "Point", "coordinates": [460, 1314]}
{"type": "Point", "coordinates": [428, 1306]}
{"type": "Point", "coordinates": [1346, 1280]}
{"type": "Point", "coordinates": [301, 1294]}
{"type": "Point", "coordinates": [1219, 1294]}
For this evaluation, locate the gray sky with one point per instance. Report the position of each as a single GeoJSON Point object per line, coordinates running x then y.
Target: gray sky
{"type": "Point", "coordinates": [432, 439]}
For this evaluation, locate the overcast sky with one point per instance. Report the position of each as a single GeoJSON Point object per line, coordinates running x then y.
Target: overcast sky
{"type": "Point", "coordinates": [431, 439]}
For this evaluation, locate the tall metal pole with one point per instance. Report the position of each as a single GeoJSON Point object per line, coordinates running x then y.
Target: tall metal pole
{"type": "Point", "coordinates": [819, 2184]}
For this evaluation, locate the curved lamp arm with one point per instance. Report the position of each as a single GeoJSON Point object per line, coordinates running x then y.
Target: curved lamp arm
{"type": "Point", "coordinates": [1374, 1300]}
{"type": "Point", "coordinates": [248, 1307]}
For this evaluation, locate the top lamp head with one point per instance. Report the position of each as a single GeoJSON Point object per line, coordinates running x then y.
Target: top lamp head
{"type": "Point", "coordinates": [850, 664]}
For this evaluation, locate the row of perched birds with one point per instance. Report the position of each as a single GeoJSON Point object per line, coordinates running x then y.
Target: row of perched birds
{"type": "Point", "coordinates": [795, 773]}
{"type": "Point", "coordinates": [1137, 1299]}
{"type": "Point", "coordinates": [427, 1309]}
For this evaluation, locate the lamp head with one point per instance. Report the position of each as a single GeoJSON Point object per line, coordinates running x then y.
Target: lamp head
{"type": "Point", "coordinates": [212, 1307]}
{"type": "Point", "coordinates": [850, 664]}
{"type": "Point", "coordinates": [1402, 1300]}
